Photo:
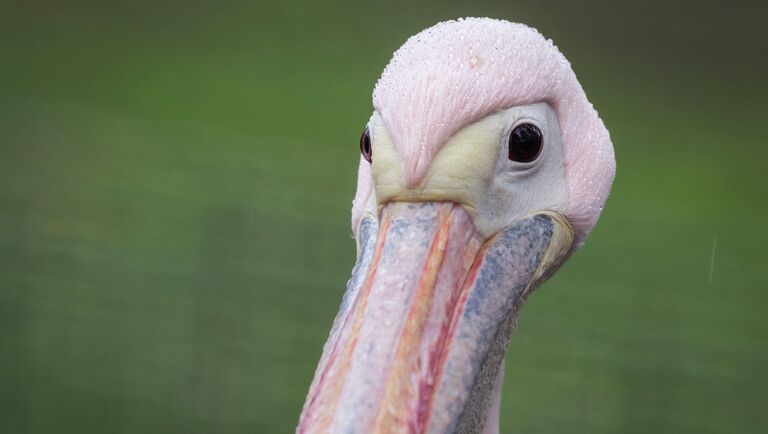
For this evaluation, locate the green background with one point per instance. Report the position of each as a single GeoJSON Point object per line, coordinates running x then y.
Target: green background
{"type": "Point", "coordinates": [175, 185]}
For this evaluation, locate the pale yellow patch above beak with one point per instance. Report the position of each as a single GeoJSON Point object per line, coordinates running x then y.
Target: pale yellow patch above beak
{"type": "Point", "coordinates": [460, 172]}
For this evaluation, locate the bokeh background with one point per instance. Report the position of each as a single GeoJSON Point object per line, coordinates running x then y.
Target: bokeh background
{"type": "Point", "coordinates": [175, 185]}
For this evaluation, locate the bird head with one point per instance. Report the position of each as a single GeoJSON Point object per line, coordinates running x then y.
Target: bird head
{"type": "Point", "coordinates": [483, 167]}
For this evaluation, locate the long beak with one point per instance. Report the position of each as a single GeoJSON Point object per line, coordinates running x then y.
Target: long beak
{"type": "Point", "coordinates": [425, 322]}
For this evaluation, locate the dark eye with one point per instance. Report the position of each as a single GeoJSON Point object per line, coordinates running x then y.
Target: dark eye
{"type": "Point", "coordinates": [365, 145]}
{"type": "Point", "coordinates": [525, 143]}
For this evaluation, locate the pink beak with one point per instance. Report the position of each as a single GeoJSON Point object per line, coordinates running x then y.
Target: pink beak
{"type": "Point", "coordinates": [425, 322]}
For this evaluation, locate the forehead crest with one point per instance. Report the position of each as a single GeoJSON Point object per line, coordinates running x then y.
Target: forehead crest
{"type": "Point", "coordinates": [457, 72]}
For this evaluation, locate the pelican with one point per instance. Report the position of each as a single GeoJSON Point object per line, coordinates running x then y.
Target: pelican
{"type": "Point", "coordinates": [483, 168]}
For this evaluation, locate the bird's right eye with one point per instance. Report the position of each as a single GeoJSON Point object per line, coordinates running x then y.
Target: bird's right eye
{"type": "Point", "coordinates": [365, 145]}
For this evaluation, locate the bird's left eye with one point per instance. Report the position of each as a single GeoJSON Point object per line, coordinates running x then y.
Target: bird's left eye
{"type": "Point", "coordinates": [525, 143]}
{"type": "Point", "coordinates": [365, 145]}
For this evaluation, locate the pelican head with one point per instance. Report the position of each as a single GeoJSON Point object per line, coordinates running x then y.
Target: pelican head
{"type": "Point", "coordinates": [483, 167]}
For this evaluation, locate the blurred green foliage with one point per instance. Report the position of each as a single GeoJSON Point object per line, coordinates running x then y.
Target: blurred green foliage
{"type": "Point", "coordinates": [175, 184]}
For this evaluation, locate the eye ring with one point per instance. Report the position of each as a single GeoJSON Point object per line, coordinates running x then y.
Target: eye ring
{"type": "Point", "coordinates": [365, 145]}
{"type": "Point", "coordinates": [525, 143]}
